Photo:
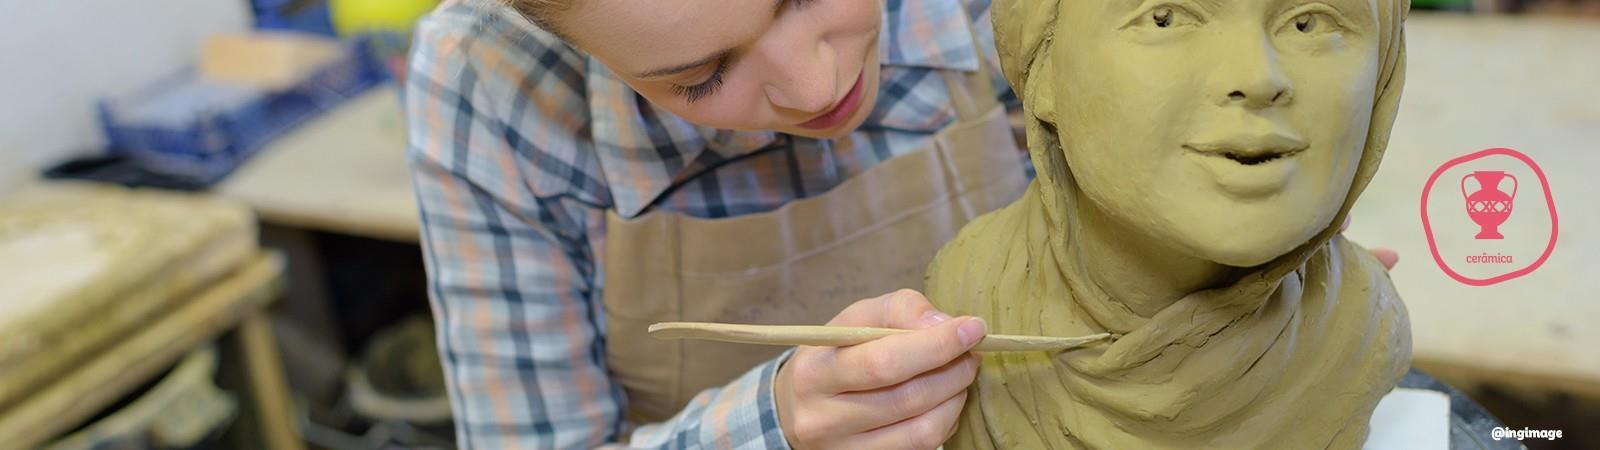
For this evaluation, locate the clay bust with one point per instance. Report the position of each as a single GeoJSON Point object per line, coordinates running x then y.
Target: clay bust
{"type": "Point", "coordinates": [1195, 160]}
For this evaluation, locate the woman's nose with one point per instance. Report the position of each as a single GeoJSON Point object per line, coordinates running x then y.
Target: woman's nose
{"type": "Point", "coordinates": [803, 77]}
{"type": "Point", "coordinates": [1251, 75]}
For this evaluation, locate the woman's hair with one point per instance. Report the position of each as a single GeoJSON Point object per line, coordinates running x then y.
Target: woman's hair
{"type": "Point", "coordinates": [542, 12]}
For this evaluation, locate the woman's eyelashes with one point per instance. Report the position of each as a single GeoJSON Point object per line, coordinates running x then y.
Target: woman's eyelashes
{"type": "Point", "coordinates": [797, 3]}
{"type": "Point", "coordinates": [712, 83]}
{"type": "Point", "coordinates": [705, 88]}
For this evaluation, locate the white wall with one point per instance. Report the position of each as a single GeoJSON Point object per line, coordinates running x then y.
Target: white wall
{"type": "Point", "coordinates": [57, 57]}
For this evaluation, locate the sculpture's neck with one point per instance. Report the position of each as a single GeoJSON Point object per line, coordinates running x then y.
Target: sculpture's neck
{"type": "Point", "coordinates": [1141, 272]}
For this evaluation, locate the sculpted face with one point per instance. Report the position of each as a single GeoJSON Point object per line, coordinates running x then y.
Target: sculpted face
{"type": "Point", "coordinates": [1230, 128]}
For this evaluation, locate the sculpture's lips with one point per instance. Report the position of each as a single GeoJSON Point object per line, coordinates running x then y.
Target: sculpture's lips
{"type": "Point", "coordinates": [1250, 150]}
{"type": "Point", "coordinates": [1249, 166]}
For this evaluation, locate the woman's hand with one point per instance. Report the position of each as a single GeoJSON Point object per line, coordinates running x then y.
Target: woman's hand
{"type": "Point", "coordinates": [1386, 256]}
{"type": "Point", "coordinates": [902, 391]}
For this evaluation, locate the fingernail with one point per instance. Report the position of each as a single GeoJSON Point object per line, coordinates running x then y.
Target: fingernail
{"type": "Point", "coordinates": [971, 331]}
{"type": "Point", "coordinates": [934, 317]}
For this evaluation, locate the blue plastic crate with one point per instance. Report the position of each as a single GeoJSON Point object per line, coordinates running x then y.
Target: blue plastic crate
{"type": "Point", "coordinates": [200, 130]}
{"type": "Point", "coordinates": [297, 15]}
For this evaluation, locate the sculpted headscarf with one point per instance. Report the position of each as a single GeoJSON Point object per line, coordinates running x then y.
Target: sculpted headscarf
{"type": "Point", "coordinates": [1296, 354]}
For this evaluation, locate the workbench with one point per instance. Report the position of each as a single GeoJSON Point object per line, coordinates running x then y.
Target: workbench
{"type": "Point", "coordinates": [107, 288]}
{"type": "Point", "coordinates": [344, 172]}
{"type": "Point", "coordinates": [1474, 82]}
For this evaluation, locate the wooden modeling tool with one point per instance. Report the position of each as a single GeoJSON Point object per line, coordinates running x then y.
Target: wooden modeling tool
{"type": "Point", "coordinates": [825, 336]}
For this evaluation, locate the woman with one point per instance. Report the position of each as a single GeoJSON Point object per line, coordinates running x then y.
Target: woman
{"type": "Point", "coordinates": [770, 161]}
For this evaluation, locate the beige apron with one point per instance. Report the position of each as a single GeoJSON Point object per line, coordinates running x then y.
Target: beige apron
{"type": "Point", "coordinates": [800, 264]}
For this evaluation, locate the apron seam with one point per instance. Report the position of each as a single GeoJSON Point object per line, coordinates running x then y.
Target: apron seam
{"type": "Point", "coordinates": [678, 346]}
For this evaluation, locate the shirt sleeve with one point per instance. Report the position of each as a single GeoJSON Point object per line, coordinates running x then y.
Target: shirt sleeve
{"type": "Point", "coordinates": [740, 415]}
{"type": "Point", "coordinates": [511, 204]}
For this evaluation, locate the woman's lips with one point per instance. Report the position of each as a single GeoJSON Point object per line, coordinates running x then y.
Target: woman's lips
{"type": "Point", "coordinates": [842, 110]}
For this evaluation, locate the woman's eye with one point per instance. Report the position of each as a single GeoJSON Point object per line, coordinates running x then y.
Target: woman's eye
{"type": "Point", "coordinates": [793, 4]}
{"type": "Point", "coordinates": [704, 88]}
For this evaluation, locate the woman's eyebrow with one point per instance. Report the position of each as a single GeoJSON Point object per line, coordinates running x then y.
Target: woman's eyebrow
{"type": "Point", "coordinates": [681, 68]}
{"type": "Point", "coordinates": [777, 5]}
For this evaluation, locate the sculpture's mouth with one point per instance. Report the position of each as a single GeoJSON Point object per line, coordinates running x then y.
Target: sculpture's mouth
{"type": "Point", "coordinates": [1250, 150]}
{"type": "Point", "coordinates": [1263, 146]}
{"type": "Point", "coordinates": [1250, 160]}
{"type": "Point", "coordinates": [1249, 166]}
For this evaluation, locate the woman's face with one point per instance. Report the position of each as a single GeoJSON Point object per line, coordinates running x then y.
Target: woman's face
{"type": "Point", "coordinates": [1232, 128]}
{"type": "Point", "coordinates": [804, 67]}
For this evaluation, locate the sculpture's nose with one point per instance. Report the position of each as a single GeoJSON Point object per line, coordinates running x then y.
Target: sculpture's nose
{"type": "Point", "coordinates": [1251, 75]}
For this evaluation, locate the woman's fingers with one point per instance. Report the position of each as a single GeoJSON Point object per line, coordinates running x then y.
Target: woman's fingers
{"type": "Point", "coordinates": [1388, 257]}
{"type": "Point", "coordinates": [878, 407]}
{"type": "Point", "coordinates": [892, 360]}
{"type": "Point", "coordinates": [926, 431]}
{"type": "Point", "coordinates": [830, 397]}
{"type": "Point", "coordinates": [905, 309]}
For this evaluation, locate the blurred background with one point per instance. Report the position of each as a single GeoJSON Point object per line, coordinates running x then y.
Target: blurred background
{"type": "Point", "coordinates": [208, 236]}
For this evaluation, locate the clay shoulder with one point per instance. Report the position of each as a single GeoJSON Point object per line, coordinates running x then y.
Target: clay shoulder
{"type": "Point", "coordinates": [954, 280]}
{"type": "Point", "coordinates": [1365, 269]}
{"type": "Point", "coordinates": [1390, 323]}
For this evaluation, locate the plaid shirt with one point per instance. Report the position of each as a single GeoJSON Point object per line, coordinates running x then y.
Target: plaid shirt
{"type": "Point", "coordinates": [519, 145]}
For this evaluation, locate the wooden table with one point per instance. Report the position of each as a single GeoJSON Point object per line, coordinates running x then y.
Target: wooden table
{"type": "Point", "coordinates": [344, 172]}
{"type": "Point", "coordinates": [237, 303]}
{"type": "Point", "coordinates": [1532, 84]}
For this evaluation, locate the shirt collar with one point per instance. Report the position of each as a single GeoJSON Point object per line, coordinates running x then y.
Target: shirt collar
{"type": "Point", "coordinates": [934, 34]}
{"type": "Point", "coordinates": [644, 152]}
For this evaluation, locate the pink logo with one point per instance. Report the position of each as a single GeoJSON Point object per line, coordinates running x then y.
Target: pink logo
{"type": "Point", "coordinates": [1489, 207]}
{"type": "Point", "coordinates": [1489, 244]}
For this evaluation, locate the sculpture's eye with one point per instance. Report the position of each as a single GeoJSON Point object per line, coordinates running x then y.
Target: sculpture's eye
{"type": "Point", "coordinates": [1312, 23]}
{"type": "Point", "coordinates": [1162, 16]}
{"type": "Point", "coordinates": [1169, 16]}
{"type": "Point", "coordinates": [1307, 23]}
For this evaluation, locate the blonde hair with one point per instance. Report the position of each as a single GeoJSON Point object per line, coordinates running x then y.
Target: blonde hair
{"type": "Point", "coordinates": [542, 12]}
